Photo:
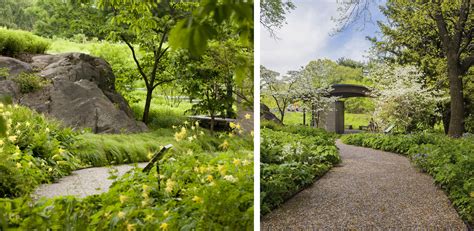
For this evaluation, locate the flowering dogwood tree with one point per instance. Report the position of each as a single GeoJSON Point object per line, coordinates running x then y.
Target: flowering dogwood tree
{"type": "Point", "coordinates": [313, 91]}
{"type": "Point", "coordinates": [280, 89]}
{"type": "Point", "coordinates": [402, 98]}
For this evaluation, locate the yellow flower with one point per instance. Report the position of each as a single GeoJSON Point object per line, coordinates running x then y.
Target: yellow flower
{"type": "Point", "coordinates": [248, 116]}
{"type": "Point", "coordinates": [222, 170]}
{"type": "Point", "coordinates": [121, 214]}
{"type": "Point", "coordinates": [1, 142]}
{"type": "Point", "coordinates": [231, 135]}
{"type": "Point", "coordinates": [472, 194]}
{"type": "Point", "coordinates": [30, 164]}
{"type": "Point", "coordinates": [131, 227]}
{"type": "Point", "coordinates": [180, 135]}
{"type": "Point", "coordinates": [251, 133]}
{"type": "Point", "coordinates": [27, 124]}
{"type": "Point", "coordinates": [18, 165]}
{"type": "Point", "coordinates": [166, 213]}
{"type": "Point", "coordinates": [238, 126]}
{"type": "Point", "coordinates": [50, 169]}
{"type": "Point", "coordinates": [224, 145]}
{"type": "Point", "coordinates": [245, 162]}
{"type": "Point", "coordinates": [197, 199]}
{"type": "Point", "coordinates": [186, 122]}
{"type": "Point", "coordinates": [190, 138]}
{"type": "Point", "coordinates": [47, 130]}
{"type": "Point", "coordinates": [210, 178]}
{"type": "Point", "coordinates": [61, 150]}
{"type": "Point", "coordinates": [169, 185]}
{"type": "Point", "coordinates": [174, 127]}
{"type": "Point", "coordinates": [123, 198]}
{"type": "Point", "coordinates": [201, 133]}
{"type": "Point", "coordinates": [148, 217]}
{"type": "Point", "coordinates": [232, 125]}
{"type": "Point", "coordinates": [150, 155]}
{"type": "Point", "coordinates": [196, 123]}
{"type": "Point", "coordinates": [12, 138]}
{"type": "Point", "coordinates": [237, 162]}
{"type": "Point", "coordinates": [146, 188]}
{"type": "Point", "coordinates": [192, 127]}
{"type": "Point", "coordinates": [145, 202]}
{"type": "Point", "coordinates": [164, 226]}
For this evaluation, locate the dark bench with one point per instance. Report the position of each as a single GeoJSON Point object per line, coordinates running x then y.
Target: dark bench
{"type": "Point", "coordinates": [219, 122]}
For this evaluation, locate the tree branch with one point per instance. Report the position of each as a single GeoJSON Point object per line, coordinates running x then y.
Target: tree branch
{"type": "Point", "coordinates": [140, 69]}
{"type": "Point", "coordinates": [463, 15]}
{"type": "Point", "coordinates": [467, 63]}
{"type": "Point", "coordinates": [163, 81]}
{"type": "Point", "coordinates": [442, 29]}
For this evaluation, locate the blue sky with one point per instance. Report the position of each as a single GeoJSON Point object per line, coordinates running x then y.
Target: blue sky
{"type": "Point", "coordinates": [306, 37]}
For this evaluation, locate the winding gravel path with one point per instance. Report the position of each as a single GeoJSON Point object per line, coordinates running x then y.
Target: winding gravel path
{"type": "Point", "coordinates": [82, 183]}
{"type": "Point", "coordinates": [370, 190]}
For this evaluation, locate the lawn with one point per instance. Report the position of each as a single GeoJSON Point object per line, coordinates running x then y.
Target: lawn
{"type": "Point", "coordinates": [356, 120]}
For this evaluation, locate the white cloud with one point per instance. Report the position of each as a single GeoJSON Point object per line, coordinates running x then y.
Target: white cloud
{"type": "Point", "coordinates": [306, 37]}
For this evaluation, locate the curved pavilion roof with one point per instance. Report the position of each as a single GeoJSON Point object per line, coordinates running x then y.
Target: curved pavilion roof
{"type": "Point", "coordinates": [349, 90]}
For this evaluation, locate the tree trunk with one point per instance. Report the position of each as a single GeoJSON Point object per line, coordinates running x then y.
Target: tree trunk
{"type": "Point", "coordinates": [146, 111]}
{"type": "Point", "coordinates": [282, 115]}
{"type": "Point", "coordinates": [456, 121]}
{"type": "Point", "coordinates": [212, 122]}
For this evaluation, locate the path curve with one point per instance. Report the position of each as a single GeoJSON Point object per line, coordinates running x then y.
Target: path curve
{"type": "Point", "coordinates": [370, 190]}
{"type": "Point", "coordinates": [82, 183]}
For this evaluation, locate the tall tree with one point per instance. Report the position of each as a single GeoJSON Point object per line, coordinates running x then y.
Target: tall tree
{"type": "Point", "coordinates": [430, 33]}
{"type": "Point", "coordinates": [146, 24]}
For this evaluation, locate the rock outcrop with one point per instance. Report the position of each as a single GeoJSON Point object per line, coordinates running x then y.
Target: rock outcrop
{"type": "Point", "coordinates": [266, 114]}
{"type": "Point", "coordinates": [80, 92]}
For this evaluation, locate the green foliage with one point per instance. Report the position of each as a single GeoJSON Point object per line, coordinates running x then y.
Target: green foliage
{"type": "Point", "coordinates": [291, 159]}
{"type": "Point", "coordinates": [15, 42]}
{"type": "Point", "coordinates": [16, 14]}
{"type": "Point", "coordinates": [29, 82]}
{"type": "Point", "coordinates": [201, 187]}
{"type": "Point", "coordinates": [210, 79]}
{"type": "Point", "coordinates": [67, 19]}
{"type": "Point", "coordinates": [449, 161]}
{"type": "Point", "coordinates": [272, 13]}
{"type": "Point", "coordinates": [194, 31]}
{"type": "Point", "coordinates": [34, 151]}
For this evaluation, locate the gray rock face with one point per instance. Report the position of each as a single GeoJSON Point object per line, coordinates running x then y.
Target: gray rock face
{"type": "Point", "coordinates": [81, 93]}
{"type": "Point", "coordinates": [265, 114]}
{"type": "Point", "coordinates": [15, 66]}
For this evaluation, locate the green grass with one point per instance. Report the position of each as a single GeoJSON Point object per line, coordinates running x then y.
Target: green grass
{"type": "Point", "coordinates": [163, 114]}
{"type": "Point", "coordinates": [111, 149]}
{"type": "Point", "coordinates": [356, 120]}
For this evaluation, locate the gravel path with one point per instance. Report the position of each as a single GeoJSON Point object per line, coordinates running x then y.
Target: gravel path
{"type": "Point", "coordinates": [370, 190]}
{"type": "Point", "coordinates": [82, 183]}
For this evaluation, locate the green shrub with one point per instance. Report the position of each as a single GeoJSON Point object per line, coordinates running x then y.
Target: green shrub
{"type": "Point", "coordinates": [449, 161]}
{"type": "Point", "coordinates": [29, 82]}
{"type": "Point", "coordinates": [15, 42]}
{"type": "Point", "coordinates": [34, 150]}
{"type": "Point", "coordinates": [291, 159]}
{"type": "Point", "coordinates": [199, 190]}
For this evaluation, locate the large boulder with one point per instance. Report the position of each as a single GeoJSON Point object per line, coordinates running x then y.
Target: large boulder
{"type": "Point", "coordinates": [80, 92]}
